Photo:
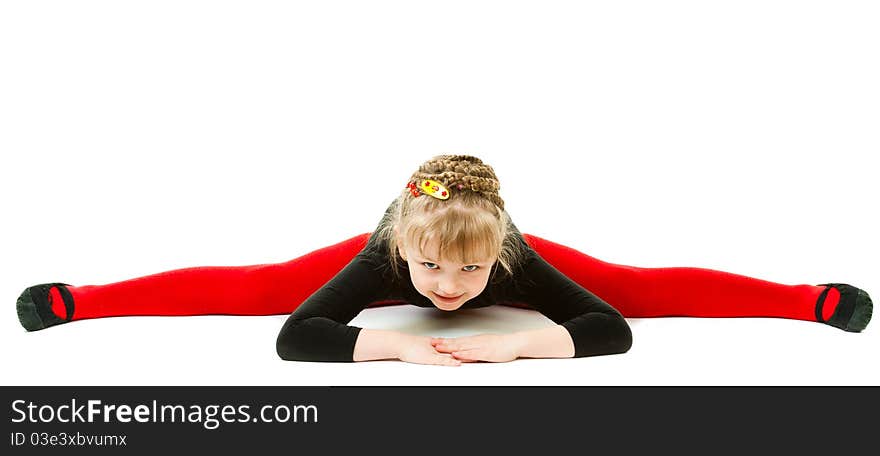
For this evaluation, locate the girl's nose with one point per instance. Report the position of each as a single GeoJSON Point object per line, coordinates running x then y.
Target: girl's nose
{"type": "Point", "coordinates": [448, 291]}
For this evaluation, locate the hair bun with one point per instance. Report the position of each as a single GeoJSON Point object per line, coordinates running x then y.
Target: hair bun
{"type": "Point", "coordinates": [462, 172]}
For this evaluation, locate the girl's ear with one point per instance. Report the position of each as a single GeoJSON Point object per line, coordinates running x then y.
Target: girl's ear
{"type": "Point", "coordinates": [399, 247]}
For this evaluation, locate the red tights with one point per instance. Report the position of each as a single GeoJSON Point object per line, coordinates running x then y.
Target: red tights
{"type": "Point", "coordinates": [270, 289]}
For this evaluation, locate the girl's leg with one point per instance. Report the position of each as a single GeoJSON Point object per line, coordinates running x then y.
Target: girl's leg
{"type": "Point", "coordinates": [264, 289]}
{"type": "Point", "coordinates": [682, 291]}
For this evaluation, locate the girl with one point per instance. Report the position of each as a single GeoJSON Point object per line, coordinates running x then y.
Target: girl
{"type": "Point", "coordinates": [447, 242]}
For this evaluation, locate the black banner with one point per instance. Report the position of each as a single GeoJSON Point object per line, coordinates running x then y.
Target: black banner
{"type": "Point", "coordinates": [61, 419]}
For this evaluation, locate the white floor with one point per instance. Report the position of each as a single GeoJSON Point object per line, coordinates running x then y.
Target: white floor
{"type": "Point", "coordinates": [224, 350]}
{"type": "Point", "coordinates": [138, 139]}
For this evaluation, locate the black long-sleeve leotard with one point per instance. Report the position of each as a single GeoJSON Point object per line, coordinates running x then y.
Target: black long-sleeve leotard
{"type": "Point", "coordinates": [318, 329]}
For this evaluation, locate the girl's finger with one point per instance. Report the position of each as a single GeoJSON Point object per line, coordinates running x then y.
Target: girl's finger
{"type": "Point", "coordinates": [448, 346]}
{"type": "Point", "coordinates": [447, 361]}
{"type": "Point", "coordinates": [469, 355]}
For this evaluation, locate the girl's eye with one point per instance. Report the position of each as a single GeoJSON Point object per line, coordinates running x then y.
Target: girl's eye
{"type": "Point", "coordinates": [430, 266]}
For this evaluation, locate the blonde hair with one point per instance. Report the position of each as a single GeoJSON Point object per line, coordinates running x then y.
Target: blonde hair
{"type": "Point", "coordinates": [471, 226]}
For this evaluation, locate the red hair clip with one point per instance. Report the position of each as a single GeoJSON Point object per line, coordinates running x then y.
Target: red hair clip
{"type": "Point", "coordinates": [429, 187]}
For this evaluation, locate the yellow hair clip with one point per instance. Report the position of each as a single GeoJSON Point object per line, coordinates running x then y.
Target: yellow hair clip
{"type": "Point", "coordinates": [429, 187]}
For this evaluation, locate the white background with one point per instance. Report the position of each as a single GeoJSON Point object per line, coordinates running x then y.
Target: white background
{"type": "Point", "coordinates": [139, 137]}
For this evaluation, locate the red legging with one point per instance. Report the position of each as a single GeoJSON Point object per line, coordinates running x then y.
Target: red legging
{"type": "Point", "coordinates": [270, 289]}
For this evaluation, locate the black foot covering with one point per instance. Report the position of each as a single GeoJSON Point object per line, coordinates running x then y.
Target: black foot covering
{"type": "Point", "coordinates": [35, 310]}
{"type": "Point", "coordinates": [854, 310]}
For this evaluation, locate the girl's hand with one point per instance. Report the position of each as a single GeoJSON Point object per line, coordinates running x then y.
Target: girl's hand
{"type": "Point", "coordinates": [419, 350]}
{"type": "Point", "coordinates": [495, 348]}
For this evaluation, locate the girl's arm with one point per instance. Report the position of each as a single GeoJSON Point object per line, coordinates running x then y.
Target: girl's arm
{"type": "Point", "coordinates": [318, 329]}
{"type": "Point", "coordinates": [593, 326]}
{"type": "Point", "coordinates": [598, 334]}
{"type": "Point", "coordinates": [550, 342]}
{"type": "Point", "coordinates": [373, 344]}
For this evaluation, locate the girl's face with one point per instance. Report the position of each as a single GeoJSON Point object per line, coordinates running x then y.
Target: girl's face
{"type": "Point", "coordinates": [438, 280]}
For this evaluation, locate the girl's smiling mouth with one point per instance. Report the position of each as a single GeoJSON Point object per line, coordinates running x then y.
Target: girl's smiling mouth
{"type": "Point", "coordinates": [445, 299]}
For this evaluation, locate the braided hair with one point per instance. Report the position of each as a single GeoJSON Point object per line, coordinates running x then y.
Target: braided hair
{"type": "Point", "coordinates": [466, 171]}
{"type": "Point", "coordinates": [470, 226]}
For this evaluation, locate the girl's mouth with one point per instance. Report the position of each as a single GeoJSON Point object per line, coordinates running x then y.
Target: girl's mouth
{"type": "Point", "coordinates": [448, 300]}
